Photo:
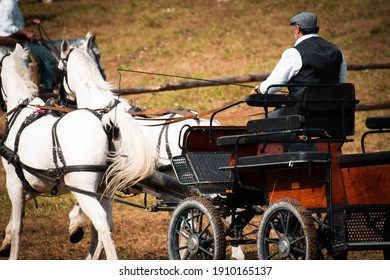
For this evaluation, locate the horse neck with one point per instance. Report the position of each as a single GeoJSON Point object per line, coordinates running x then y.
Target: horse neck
{"type": "Point", "coordinates": [94, 98]}
{"type": "Point", "coordinates": [87, 83]}
{"type": "Point", "coordinates": [16, 89]}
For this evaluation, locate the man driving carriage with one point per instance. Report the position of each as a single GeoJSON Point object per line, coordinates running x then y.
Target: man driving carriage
{"type": "Point", "coordinates": [12, 31]}
{"type": "Point", "coordinates": [311, 60]}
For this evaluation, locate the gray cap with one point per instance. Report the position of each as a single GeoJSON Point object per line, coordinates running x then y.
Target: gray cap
{"type": "Point", "coordinates": [304, 20]}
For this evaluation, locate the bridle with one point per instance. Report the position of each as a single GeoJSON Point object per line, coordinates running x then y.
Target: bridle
{"type": "Point", "coordinates": [64, 74]}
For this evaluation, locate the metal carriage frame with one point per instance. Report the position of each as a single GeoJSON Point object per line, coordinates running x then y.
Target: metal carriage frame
{"type": "Point", "coordinates": [312, 198]}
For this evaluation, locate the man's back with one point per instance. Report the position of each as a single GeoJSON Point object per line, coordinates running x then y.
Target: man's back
{"type": "Point", "coordinates": [321, 62]}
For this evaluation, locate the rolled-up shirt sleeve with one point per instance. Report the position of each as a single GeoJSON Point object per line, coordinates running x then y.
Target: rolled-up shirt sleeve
{"type": "Point", "coordinates": [288, 66]}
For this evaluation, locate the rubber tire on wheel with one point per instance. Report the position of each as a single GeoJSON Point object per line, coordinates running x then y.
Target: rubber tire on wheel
{"type": "Point", "coordinates": [196, 231]}
{"type": "Point", "coordinates": [287, 231]}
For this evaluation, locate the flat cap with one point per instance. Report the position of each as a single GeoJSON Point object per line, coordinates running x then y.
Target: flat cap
{"type": "Point", "coordinates": [304, 20]}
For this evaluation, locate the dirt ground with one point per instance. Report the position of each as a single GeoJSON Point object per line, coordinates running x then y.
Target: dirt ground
{"type": "Point", "coordinates": [138, 234]}
{"type": "Point", "coordinates": [228, 38]}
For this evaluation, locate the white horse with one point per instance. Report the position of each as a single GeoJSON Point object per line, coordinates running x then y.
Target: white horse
{"type": "Point", "coordinates": [82, 137]}
{"type": "Point", "coordinates": [84, 84]}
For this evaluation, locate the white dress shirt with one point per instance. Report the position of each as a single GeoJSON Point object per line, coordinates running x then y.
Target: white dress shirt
{"type": "Point", "coordinates": [11, 17]}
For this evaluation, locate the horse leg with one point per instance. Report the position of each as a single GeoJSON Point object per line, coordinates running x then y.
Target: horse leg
{"type": "Point", "coordinates": [100, 230]}
{"type": "Point", "coordinates": [237, 253]}
{"type": "Point", "coordinates": [5, 248]}
{"type": "Point", "coordinates": [96, 245]}
{"type": "Point", "coordinates": [6, 244]}
{"type": "Point", "coordinates": [77, 220]}
{"type": "Point", "coordinates": [15, 225]}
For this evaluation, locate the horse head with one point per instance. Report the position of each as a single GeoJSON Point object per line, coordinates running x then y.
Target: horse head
{"type": "Point", "coordinates": [15, 79]}
{"type": "Point", "coordinates": [66, 49]}
{"type": "Point", "coordinates": [81, 73]}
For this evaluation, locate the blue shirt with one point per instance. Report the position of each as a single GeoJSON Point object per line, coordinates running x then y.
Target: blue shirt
{"type": "Point", "coordinates": [11, 17]}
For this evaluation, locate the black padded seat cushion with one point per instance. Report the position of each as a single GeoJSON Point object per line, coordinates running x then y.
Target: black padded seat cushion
{"type": "Point", "coordinates": [231, 140]}
{"type": "Point", "coordinates": [289, 158]}
{"type": "Point", "coordinates": [381, 122]}
{"type": "Point", "coordinates": [270, 100]}
{"type": "Point", "coordinates": [276, 124]}
{"type": "Point", "coordinates": [364, 159]}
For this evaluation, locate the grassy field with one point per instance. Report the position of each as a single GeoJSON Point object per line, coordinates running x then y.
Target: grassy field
{"type": "Point", "coordinates": [202, 39]}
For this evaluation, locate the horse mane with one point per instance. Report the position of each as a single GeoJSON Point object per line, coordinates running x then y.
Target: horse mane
{"type": "Point", "coordinates": [19, 56]}
{"type": "Point", "coordinates": [96, 75]}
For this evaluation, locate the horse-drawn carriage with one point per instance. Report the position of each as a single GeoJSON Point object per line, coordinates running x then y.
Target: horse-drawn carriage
{"type": "Point", "coordinates": [289, 170]}
{"type": "Point", "coordinates": [312, 197]}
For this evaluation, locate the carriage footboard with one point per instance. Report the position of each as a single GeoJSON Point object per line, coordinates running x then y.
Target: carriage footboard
{"type": "Point", "coordinates": [202, 168]}
{"type": "Point", "coordinates": [362, 228]}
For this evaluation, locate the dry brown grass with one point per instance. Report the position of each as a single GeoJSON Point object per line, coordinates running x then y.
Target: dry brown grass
{"type": "Point", "coordinates": [203, 39]}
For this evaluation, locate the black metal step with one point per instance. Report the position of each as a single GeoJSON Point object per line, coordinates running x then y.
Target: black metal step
{"type": "Point", "coordinates": [201, 167]}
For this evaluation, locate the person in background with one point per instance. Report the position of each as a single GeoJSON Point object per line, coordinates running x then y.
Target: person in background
{"type": "Point", "coordinates": [13, 30]}
{"type": "Point", "coordinates": [311, 60]}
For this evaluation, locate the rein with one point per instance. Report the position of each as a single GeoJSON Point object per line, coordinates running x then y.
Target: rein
{"type": "Point", "coordinates": [188, 116]}
{"type": "Point", "coordinates": [183, 77]}
{"type": "Point", "coordinates": [41, 30]}
{"type": "Point", "coordinates": [53, 107]}
{"type": "Point", "coordinates": [166, 121]}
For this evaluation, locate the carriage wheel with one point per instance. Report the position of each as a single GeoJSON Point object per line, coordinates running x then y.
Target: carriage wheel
{"type": "Point", "coordinates": [196, 231]}
{"type": "Point", "coordinates": [287, 232]}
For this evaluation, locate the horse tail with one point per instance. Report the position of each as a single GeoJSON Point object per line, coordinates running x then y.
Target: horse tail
{"type": "Point", "coordinates": [134, 158]}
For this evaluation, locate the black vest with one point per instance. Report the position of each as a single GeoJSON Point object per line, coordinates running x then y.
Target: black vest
{"type": "Point", "coordinates": [321, 62]}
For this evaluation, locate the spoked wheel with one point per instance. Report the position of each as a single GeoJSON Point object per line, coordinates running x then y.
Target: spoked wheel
{"type": "Point", "coordinates": [196, 231]}
{"type": "Point", "coordinates": [287, 232]}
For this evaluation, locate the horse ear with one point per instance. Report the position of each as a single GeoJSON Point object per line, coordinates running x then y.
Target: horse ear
{"type": "Point", "coordinates": [65, 48]}
{"type": "Point", "coordinates": [89, 41]}
{"type": "Point", "coordinates": [18, 47]}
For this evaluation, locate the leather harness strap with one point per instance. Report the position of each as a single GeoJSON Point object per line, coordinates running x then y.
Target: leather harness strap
{"type": "Point", "coordinates": [168, 149]}
{"type": "Point", "coordinates": [57, 172]}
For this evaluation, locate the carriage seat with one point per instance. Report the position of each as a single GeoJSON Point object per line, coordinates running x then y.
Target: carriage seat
{"type": "Point", "coordinates": [330, 107]}
{"type": "Point", "coordinates": [289, 159]}
{"type": "Point", "coordinates": [285, 159]}
{"type": "Point", "coordinates": [270, 100]}
{"type": "Point", "coordinates": [327, 106]}
{"type": "Point", "coordinates": [376, 125]}
{"type": "Point", "coordinates": [276, 124]}
{"type": "Point", "coordinates": [284, 123]}
{"type": "Point", "coordinates": [363, 159]}
{"type": "Point", "coordinates": [381, 122]}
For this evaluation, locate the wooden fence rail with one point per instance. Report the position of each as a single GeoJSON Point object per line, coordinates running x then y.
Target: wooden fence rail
{"type": "Point", "coordinates": [189, 82]}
